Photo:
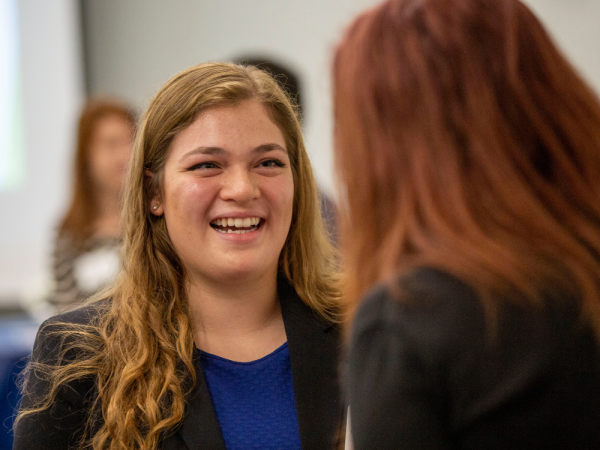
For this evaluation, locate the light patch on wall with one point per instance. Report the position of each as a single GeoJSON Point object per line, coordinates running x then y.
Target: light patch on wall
{"type": "Point", "coordinates": [12, 145]}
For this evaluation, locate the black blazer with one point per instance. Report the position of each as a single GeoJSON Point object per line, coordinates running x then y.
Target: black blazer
{"type": "Point", "coordinates": [314, 346]}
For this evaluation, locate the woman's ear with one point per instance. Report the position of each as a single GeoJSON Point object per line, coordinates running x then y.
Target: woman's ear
{"type": "Point", "coordinates": [155, 205]}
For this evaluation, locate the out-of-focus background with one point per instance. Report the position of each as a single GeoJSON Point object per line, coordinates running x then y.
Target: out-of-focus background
{"type": "Point", "coordinates": [55, 53]}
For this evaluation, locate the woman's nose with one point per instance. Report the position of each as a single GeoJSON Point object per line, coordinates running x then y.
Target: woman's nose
{"type": "Point", "coordinates": [240, 186]}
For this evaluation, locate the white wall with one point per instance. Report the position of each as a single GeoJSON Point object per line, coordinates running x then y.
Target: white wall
{"type": "Point", "coordinates": [52, 92]}
{"type": "Point", "coordinates": [575, 27]}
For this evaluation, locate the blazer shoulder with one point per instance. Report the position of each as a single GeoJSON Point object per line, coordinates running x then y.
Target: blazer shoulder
{"type": "Point", "coordinates": [425, 291]}
{"type": "Point", "coordinates": [64, 331]}
{"type": "Point", "coordinates": [84, 315]}
{"type": "Point", "coordinates": [428, 308]}
{"type": "Point", "coordinates": [61, 341]}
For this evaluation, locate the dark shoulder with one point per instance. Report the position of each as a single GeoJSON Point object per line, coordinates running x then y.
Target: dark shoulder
{"type": "Point", "coordinates": [84, 315]}
{"type": "Point", "coordinates": [438, 314]}
{"type": "Point", "coordinates": [68, 330]}
{"type": "Point", "coordinates": [425, 301]}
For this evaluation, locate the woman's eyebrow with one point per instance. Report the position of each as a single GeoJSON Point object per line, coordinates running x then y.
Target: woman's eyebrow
{"type": "Point", "coordinates": [203, 151]}
{"type": "Point", "coordinates": [218, 151]}
{"type": "Point", "coordinates": [268, 147]}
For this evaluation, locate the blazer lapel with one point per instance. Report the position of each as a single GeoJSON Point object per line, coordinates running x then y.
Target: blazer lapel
{"type": "Point", "coordinates": [200, 429]}
{"type": "Point", "coordinates": [314, 348]}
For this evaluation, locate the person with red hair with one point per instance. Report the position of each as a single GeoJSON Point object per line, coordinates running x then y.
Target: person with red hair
{"type": "Point", "coordinates": [86, 250]}
{"type": "Point", "coordinates": [469, 157]}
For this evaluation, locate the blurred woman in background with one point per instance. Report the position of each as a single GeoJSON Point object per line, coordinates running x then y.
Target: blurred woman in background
{"type": "Point", "coordinates": [87, 247]}
{"type": "Point", "coordinates": [469, 154]}
{"type": "Point", "coordinates": [220, 331]}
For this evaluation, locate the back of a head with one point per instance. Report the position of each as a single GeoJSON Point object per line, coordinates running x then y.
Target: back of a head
{"type": "Point", "coordinates": [288, 79]}
{"type": "Point", "coordinates": [465, 140]}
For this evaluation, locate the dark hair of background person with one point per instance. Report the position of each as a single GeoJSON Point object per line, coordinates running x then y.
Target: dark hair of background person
{"type": "Point", "coordinates": [285, 76]}
{"type": "Point", "coordinates": [475, 149]}
{"type": "Point", "coordinates": [82, 209]}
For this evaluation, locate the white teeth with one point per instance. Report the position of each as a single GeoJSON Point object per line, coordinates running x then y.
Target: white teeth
{"type": "Point", "coordinates": [237, 222]}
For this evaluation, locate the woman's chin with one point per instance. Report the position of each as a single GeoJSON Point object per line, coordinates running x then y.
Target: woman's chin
{"type": "Point", "coordinates": [243, 272]}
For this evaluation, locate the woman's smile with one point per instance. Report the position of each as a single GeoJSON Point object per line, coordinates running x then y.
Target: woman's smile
{"type": "Point", "coordinates": [238, 230]}
{"type": "Point", "coordinates": [236, 225]}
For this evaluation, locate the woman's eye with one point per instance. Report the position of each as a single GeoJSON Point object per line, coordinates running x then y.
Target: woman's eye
{"type": "Point", "coordinates": [272, 163]}
{"type": "Point", "coordinates": [203, 165]}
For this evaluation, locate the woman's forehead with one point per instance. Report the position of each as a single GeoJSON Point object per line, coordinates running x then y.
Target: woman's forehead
{"type": "Point", "coordinates": [229, 129]}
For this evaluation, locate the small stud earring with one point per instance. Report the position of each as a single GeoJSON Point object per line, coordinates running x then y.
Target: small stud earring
{"type": "Point", "coordinates": [155, 207]}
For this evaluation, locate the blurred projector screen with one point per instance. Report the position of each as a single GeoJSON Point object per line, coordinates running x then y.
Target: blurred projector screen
{"type": "Point", "coordinates": [12, 161]}
{"type": "Point", "coordinates": [41, 90]}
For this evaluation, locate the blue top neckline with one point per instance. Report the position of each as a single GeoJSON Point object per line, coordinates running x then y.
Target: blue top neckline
{"type": "Point", "coordinates": [204, 354]}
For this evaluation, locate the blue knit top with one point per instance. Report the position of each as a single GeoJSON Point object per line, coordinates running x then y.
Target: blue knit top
{"type": "Point", "coordinates": [254, 401]}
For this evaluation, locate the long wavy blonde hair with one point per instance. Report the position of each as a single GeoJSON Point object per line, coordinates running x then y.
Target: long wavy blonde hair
{"type": "Point", "coordinates": [140, 349]}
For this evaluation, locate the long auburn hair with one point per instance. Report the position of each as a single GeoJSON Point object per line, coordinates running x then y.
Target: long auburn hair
{"type": "Point", "coordinates": [466, 142]}
{"type": "Point", "coordinates": [81, 213]}
{"type": "Point", "coordinates": [140, 351]}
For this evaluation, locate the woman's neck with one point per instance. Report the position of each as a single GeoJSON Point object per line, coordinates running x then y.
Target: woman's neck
{"type": "Point", "coordinates": [240, 321]}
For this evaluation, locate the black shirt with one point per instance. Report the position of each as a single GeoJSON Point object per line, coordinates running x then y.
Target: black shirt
{"type": "Point", "coordinates": [427, 372]}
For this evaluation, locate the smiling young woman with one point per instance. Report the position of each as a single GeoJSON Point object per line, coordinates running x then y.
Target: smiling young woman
{"type": "Point", "coordinates": [220, 330]}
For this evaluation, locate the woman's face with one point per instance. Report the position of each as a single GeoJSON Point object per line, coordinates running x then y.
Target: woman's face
{"type": "Point", "coordinates": [228, 194]}
{"type": "Point", "coordinates": [110, 150]}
